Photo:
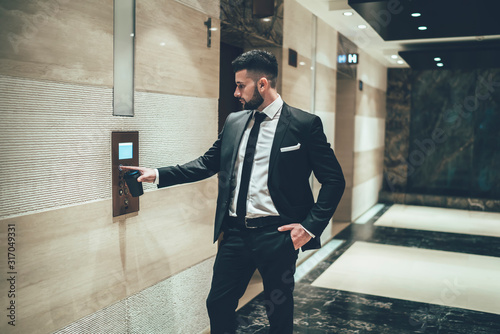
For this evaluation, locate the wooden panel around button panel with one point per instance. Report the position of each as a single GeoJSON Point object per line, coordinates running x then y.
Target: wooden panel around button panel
{"type": "Point", "coordinates": [123, 202]}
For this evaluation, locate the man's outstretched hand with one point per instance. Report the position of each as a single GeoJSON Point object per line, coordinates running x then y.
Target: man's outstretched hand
{"type": "Point", "coordinates": [147, 174]}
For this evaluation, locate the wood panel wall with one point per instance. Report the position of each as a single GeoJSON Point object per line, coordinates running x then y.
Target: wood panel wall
{"type": "Point", "coordinates": [74, 261]}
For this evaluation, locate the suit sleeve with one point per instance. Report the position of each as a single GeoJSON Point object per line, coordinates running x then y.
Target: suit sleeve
{"type": "Point", "coordinates": [328, 172]}
{"type": "Point", "coordinates": [201, 168]}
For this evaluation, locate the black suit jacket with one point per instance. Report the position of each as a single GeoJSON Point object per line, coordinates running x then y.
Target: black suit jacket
{"type": "Point", "coordinates": [289, 171]}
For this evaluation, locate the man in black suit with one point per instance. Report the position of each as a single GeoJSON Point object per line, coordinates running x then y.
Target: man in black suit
{"type": "Point", "coordinates": [264, 157]}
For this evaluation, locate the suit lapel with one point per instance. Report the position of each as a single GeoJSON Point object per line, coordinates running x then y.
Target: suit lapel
{"type": "Point", "coordinates": [281, 129]}
{"type": "Point", "coordinates": [233, 138]}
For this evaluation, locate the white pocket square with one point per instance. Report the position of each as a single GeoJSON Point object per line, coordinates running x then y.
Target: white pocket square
{"type": "Point", "coordinates": [290, 148]}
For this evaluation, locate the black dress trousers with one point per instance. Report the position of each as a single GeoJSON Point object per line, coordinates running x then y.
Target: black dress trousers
{"type": "Point", "coordinates": [241, 251]}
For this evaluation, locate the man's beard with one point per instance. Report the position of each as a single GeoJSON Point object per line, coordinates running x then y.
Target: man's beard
{"type": "Point", "coordinates": [254, 102]}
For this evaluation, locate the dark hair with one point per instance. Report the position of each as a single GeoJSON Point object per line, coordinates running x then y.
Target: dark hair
{"type": "Point", "coordinates": [260, 62]}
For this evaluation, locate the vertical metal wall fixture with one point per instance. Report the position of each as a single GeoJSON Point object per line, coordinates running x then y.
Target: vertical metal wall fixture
{"type": "Point", "coordinates": [314, 41]}
{"type": "Point", "coordinates": [123, 57]}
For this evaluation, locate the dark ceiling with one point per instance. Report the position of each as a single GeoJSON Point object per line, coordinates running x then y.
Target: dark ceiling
{"type": "Point", "coordinates": [465, 55]}
{"type": "Point", "coordinates": [393, 20]}
{"type": "Point", "coordinates": [444, 18]}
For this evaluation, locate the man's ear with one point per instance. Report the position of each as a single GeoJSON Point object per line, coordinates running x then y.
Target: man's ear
{"type": "Point", "coordinates": [262, 84]}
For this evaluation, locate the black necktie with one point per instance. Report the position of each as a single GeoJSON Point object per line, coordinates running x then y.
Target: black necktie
{"type": "Point", "coordinates": [241, 203]}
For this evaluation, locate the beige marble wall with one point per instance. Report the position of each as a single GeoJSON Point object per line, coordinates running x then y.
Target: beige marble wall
{"type": "Point", "coordinates": [74, 261]}
{"type": "Point", "coordinates": [297, 28]}
{"type": "Point", "coordinates": [326, 88]}
{"type": "Point", "coordinates": [368, 164]}
{"type": "Point", "coordinates": [70, 41]}
{"type": "Point", "coordinates": [296, 87]}
{"type": "Point", "coordinates": [326, 77]}
{"type": "Point", "coordinates": [209, 7]}
{"type": "Point", "coordinates": [325, 93]}
{"type": "Point", "coordinates": [60, 40]}
{"type": "Point", "coordinates": [369, 131]}
{"type": "Point", "coordinates": [326, 48]}
{"type": "Point", "coordinates": [371, 72]}
{"type": "Point", "coordinates": [56, 73]}
{"type": "Point", "coordinates": [297, 33]}
{"type": "Point", "coordinates": [371, 102]}
{"type": "Point", "coordinates": [172, 56]}
{"type": "Point", "coordinates": [344, 139]}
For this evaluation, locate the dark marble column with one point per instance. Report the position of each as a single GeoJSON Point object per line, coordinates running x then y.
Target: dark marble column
{"type": "Point", "coordinates": [443, 138]}
{"type": "Point", "coordinates": [397, 129]}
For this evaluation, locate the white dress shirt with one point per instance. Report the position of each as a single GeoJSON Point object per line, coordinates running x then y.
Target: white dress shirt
{"type": "Point", "coordinates": [259, 202]}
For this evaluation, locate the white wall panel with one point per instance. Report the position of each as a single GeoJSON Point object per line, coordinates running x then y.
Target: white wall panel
{"type": "Point", "coordinates": [369, 133]}
{"type": "Point", "coordinates": [328, 120]}
{"type": "Point", "coordinates": [371, 72]}
{"type": "Point", "coordinates": [365, 195]}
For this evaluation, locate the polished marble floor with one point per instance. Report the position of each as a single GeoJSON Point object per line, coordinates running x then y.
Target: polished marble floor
{"type": "Point", "coordinates": [404, 270]}
{"type": "Point", "coordinates": [442, 220]}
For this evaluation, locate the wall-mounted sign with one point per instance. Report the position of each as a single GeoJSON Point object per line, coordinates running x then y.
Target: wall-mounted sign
{"type": "Point", "coordinates": [351, 58]}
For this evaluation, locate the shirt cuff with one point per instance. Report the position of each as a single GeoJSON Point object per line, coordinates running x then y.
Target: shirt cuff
{"type": "Point", "coordinates": [157, 179]}
{"type": "Point", "coordinates": [312, 235]}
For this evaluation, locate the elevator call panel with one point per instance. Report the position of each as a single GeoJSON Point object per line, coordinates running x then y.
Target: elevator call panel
{"type": "Point", "coordinates": [125, 152]}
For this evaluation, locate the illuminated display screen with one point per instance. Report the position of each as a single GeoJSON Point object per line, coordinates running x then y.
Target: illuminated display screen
{"type": "Point", "coordinates": [125, 151]}
{"type": "Point", "coordinates": [351, 58]}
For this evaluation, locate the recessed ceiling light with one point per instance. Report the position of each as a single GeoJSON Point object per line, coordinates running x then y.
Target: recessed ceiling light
{"type": "Point", "coordinates": [162, 44]}
{"type": "Point", "coordinates": [347, 13]}
{"type": "Point", "coordinates": [266, 19]}
{"type": "Point", "coordinates": [439, 64]}
{"type": "Point", "coordinates": [362, 26]}
{"type": "Point", "coordinates": [422, 28]}
{"type": "Point", "coordinates": [400, 62]}
{"type": "Point", "coordinates": [437, 59]}
{"type": "Point", "coordinates": [394, 56]}
{"type": "Point", "coordinates": [416, 14]}
{"type": "Point", "coordinates": [132, 35]}
{"type": "Point", "coordinates": [302, 63]}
